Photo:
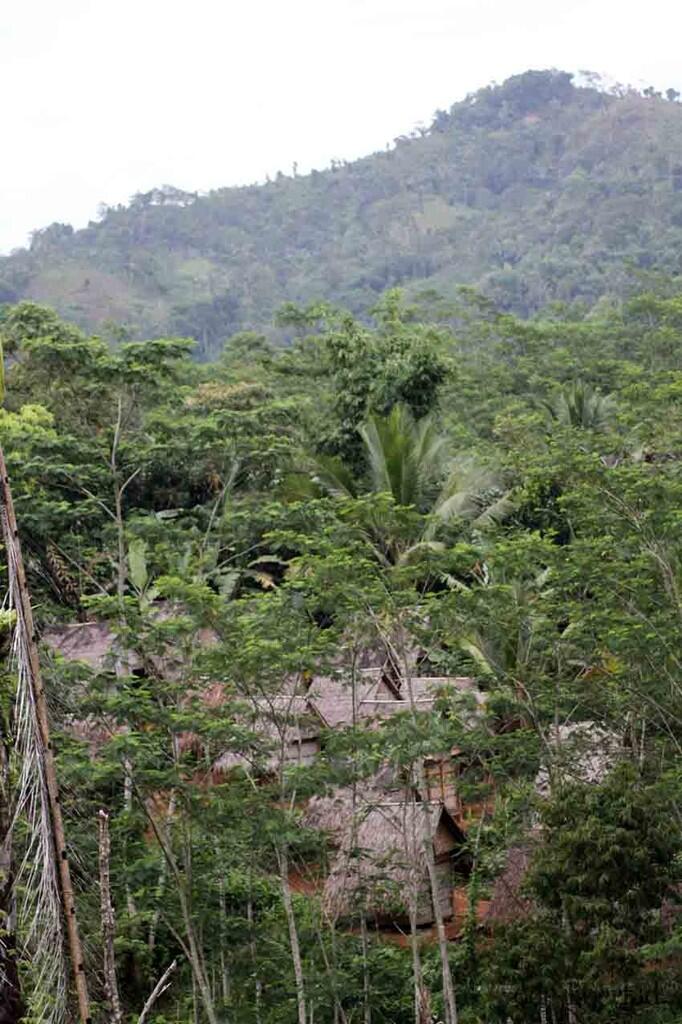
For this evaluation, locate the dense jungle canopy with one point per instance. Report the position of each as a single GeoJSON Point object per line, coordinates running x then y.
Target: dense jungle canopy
{"type": "Point", "coordinates": [445, 494]}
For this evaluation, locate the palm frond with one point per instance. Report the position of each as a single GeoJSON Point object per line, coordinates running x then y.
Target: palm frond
{"type": "Point", "coordinates": [333, 476]}
{"type": "Point", "coordinates": [419, 547]}
{"type": "Point", "coordinates": [496, 512]}
{"type": "Point", "coordinates": [476, 649]}
{"type": "Point", "coordinates": [582, 406]}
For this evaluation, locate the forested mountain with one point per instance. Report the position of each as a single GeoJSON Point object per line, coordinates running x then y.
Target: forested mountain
{"type": "Point", "coordinates": [340, 681]}
{"type": "Point", "coordinates": [534, 190]}
{"type": "Point", "coordinates": [360, 658]}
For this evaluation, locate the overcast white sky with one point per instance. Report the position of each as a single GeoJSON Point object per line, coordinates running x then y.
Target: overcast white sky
{"type": "Point", "coordinates": [104, 98]}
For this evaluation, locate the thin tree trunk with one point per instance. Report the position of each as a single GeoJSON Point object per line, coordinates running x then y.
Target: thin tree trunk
{"type": "Point", "coordinates": [254, 961]}
{"type": "Point", "coordinates": [121, 576]}
{"type": "Point", "coordinates": [543, 1010]}
{"type": "Point", "coordinates": [224, 975]}
{"type": "Point", "coordinates": [338, 1011]}
{"type": "Point", "coordinates": [158, 990]}
{"type": "Point", "coordinates": [283, 865]}
{"type": "Point", "coordinates": [448, 986]}
{"type": "Point", "coordinates": [27, 635]}
{"type": "Point", "coordinates": [366, 1000]}
{"type": "Point", "coordinates": [571, 1015]}
{"type": "Point", "coordinates": [429, 856]}
{"type": "Point", "coordinates": [417, 978]}
{"type": "Point", "coordinates": [293, 935]}
{"type": "Point", "coordinates": [412, 909]}
{"type": "Point", "coordinates": [108, 921]}
{"type": "Point", "coordinates": [163, 875]}
{"type": "Point", "coordinates": [193, 949]}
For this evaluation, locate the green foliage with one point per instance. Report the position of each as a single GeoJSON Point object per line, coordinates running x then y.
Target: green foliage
{"type": "Point", "coordinates": [390, 492]}
{"type": "Point", "coordinates": [604, 869]}
{"type": "Point", "coordinates": [581, 406]}
{"type": "Point", "coordinates": [534, 190]}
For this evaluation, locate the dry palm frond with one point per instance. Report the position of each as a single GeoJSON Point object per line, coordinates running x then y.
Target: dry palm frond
{"type": "Point", "coordinates": [37, 883]}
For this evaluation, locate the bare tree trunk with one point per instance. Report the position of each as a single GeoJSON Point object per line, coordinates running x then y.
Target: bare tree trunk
{"type": "Point", "coordinates": [158, 990]}
{"type": "Point", "coordinates": [258, 985]}
{"type": "Point", "coordinates": [425, 1014]}
{"type": "Point", "coordinates": [108, 921]}
{"type": "Point", "coordinates": [429, 857]}
{"type": "Point", "coordinates": [120, 666]}
{"type": "Point", "coordinates": [330, 967]}
{"type": "Point", "coordinates": [417, 979]}
{"type": "Point", "coordinates": [571, 1015]}
{"type": "Point", "coordinates": [293, 935]}
{"type": "Point", "coordinates": [224, 976]}
{"type": "Point", "coordinates": [27, 639]}
{"type": "Point", "coordinates": [193, 947]}
{"type": "Point", "coordinates": [543, 1010]}
{"type": "Point", "coordinates": [163, 874]}
{"type": "Point", "coordinates": [448, 986]}
{"type": "Point", "coordinates": [412, 909]}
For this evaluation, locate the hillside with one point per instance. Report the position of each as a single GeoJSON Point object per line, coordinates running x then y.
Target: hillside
{"type": "Point", "coordinates": [533, 190]}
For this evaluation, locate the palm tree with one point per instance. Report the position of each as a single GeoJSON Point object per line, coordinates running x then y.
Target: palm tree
{"type": "Point", "coordinates": [410, 460]}
{"type": "Point", "coordinates": [505, 648]}
{"type": "Point", "coordinates": [580, 405]}
{"type": "Point", "coordinates": [405, 455]}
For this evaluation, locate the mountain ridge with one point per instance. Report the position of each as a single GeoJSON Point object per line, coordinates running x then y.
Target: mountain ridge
{"type": "Point", "coordinates": [535, 190]}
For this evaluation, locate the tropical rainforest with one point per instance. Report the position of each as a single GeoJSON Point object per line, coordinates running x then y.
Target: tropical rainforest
{"type": "Point", "coordinates": [359, 654]}
{"type": "Point", "coordinates": [535, 190]}
{"type": "Point", "coordinates": [499, 494]}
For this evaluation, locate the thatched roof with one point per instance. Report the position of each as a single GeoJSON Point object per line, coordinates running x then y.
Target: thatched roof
{"type": "Point", "coordinates": [433, 686]}
{"type": "Point", "coordinates": [93, 643]}
{"type": "Point", "coordinates": [89, 642]}
{"type": "Point", "coordinates": [334, 698]}
{"type": "Point", "coordinates": [282, 727]}
{"type": "Point", "coordinates": [378, 837]}
{"type": "Point", "coordinates": [339, 703]}
{"type": "Point", "coordinates": [578, 752]}
{"type": "Point", "coordinates": [507, 903]}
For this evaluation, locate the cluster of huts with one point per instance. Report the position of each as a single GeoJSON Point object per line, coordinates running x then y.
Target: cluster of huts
{"type": "Point", "coordinates": [389, 836]}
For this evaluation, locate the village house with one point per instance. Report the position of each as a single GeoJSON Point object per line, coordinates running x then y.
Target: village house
{"type": "Point", "coordinates": [379, 835]}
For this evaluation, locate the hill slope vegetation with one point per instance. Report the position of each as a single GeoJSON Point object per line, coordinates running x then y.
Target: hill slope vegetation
{"type": "Point", "coordinates": [535, 190]}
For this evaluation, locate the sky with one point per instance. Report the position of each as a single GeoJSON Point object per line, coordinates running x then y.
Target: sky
{"type": "Point", "coordinates": [105, 98]}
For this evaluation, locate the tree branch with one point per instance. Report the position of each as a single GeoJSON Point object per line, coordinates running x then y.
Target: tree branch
{"type": "Point", "coordinates": [158, 990]}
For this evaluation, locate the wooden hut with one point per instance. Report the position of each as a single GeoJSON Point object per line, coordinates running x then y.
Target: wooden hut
{"type": "Point", "coordinates": [91, 643]}
{"type": "Point", "coordinates": [378, 866]}
{"type": "Point", "coordinates": [280, 731]}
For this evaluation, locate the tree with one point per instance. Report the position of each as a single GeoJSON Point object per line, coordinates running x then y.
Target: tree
{"type": "Point", "coordinates": [409, 459]}
{"type": "Point", "coordinates": [579, 405]}
{"type": "Point", "coordinates": [597, 886]}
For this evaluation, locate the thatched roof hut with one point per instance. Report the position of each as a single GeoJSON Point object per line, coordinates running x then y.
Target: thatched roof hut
{"type": "Point", "coordinates": [507, 902]}
{"type": "Point", "coordinates": [281, 730]}
{"type": "Point", "coordinates": [91, 643]}
{"type": "Point", "coordinates": [379, 862]}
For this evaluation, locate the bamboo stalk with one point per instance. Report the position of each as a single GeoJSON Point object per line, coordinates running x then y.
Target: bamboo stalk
{"type": "Point", "coordinates": [27, 636]}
